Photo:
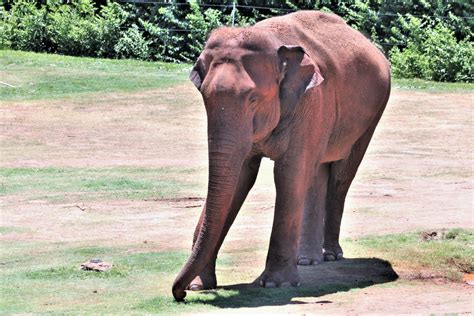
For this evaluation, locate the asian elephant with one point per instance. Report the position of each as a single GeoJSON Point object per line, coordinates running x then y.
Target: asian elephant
{"type": "Point", "coordinates": [307, 91]}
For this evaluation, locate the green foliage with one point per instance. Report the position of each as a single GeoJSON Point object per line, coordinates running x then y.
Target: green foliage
{"type": "Point", "coordinates": [112, 17]}
{"type": "Point", "coordinates": [431, 53]}
{"type": "Point", "coordinates": [200, 23]}
{"type": "Point", "coordinates": [409, 64]}
{"type": "Point", "coordinates": [449, 60]}
{"type": "Point", "coordinates": [164, 30]}
{"type": "Point", "coordinates": [132, 45]}
{"type": "Point", "coordinates": [25, 27]}
{"type": "Point", "coordinates": [75, 29]}
{"type": "Point", "coordinates": [424, 39]}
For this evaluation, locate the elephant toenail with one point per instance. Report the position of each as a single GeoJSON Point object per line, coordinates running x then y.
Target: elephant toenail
{"type": "Point", "coordinates": [329, 257]}
{"type": "Point", "coordinates": [270, 285]}
{"type": "Point", "coordinates": [261, 283]}
{"type": "Point", "coordinates": [285, 284]}
{"type": "Point", "coordinates": [195, 287]}
{"type": "Point", "coordinates": [304, 262]}
{"type": "Point", "coordinates": [339, 256]}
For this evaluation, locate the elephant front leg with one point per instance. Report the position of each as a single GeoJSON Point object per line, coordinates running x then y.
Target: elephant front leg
{"type": "Point", "coordinates": [310, 249]}
{"type": "Point", "coordinates": [206, 280]}
{"type": "Point", "coordinates": [291, 187]}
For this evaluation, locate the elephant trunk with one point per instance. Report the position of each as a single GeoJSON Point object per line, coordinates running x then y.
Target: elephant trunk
{"type": "Point", "coordinates": [225, 162]}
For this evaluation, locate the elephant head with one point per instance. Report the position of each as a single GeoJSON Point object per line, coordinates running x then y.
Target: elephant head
{"type": "Point", "coordinates": [250, 82]}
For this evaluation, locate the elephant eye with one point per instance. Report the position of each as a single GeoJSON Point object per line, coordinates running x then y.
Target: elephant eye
{"type": "Point", "coordinates": [253, 99]}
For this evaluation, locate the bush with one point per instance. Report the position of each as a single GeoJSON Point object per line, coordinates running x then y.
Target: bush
{"type": "Point", "coordinates": [200, 24]}
{"type": "Point", "coordinates": [132, 45]}
{"type": "Point", "coordinates": [449, 60]}
{"type": "Point", "coordinates": [433, 54]}
{"type": "Point", "coordinates": [409, 63]}
{"type": "Point", "coordinates": [26, 27]}
{"type": "Point", "coordinates": [75, 29]}
{"type": "Point", "coordinates": [166, 41]}
{"type": "Point", "coordinates": [433, 45]}
{"type": "Point", "coordinates": [112, 19]}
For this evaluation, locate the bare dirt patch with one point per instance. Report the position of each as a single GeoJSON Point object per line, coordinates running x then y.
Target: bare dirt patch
{"type": "Point", "coordinates": [417, 175]}
{"type": "Point", "coordinates": [416, 297]}
{"type": "Point", "coordinates": [148, 128]}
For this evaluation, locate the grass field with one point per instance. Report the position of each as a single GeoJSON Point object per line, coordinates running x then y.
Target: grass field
{"type": "Point", "coordinates": [82, 184]}
{"type": "Point", "coordinates": [98, 161]}
{"type": "Point", "coordinates": [48, 76]}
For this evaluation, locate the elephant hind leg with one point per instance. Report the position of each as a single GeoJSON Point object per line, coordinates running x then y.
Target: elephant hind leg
{"type": "Point", "coordinates": [341, 174]}
{"type": "Point", "coordinates": [310, 250]}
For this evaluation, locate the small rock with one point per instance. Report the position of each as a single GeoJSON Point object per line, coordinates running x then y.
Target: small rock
{"type": "Point", "coordinates": [430, 235]}
{"type": "Point", "coordinates": [96, 265]}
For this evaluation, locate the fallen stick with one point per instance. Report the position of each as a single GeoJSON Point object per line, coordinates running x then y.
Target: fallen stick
{"type": "Point", "coordinates": [7, 84]}
{"type": "Point", "coordinates": [81, 208]}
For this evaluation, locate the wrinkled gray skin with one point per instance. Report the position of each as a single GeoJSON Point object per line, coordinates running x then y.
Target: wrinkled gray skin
{"type": "Point", "coordinates": [307, 91]}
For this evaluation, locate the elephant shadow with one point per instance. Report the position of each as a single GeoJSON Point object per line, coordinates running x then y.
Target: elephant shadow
{"type": "Point", "coordinates": [316, 281]}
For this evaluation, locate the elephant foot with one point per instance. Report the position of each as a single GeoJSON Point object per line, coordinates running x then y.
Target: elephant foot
{"type": "Point", "coordinates": [179, 294]}
{"type": "Point", "coordinates": [333, 253]}
{"type": "Point", "coordinates": [203, 282]}
{"type": "Point", "coordinates": [307, 261]}
{"type": "Point", "coordinates": [281, 277]}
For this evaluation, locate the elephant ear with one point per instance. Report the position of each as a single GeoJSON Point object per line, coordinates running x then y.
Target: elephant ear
{"type": "Point", "coordinates": [298, 74]}
{"type": "Point", "coordinates": [197, 74]}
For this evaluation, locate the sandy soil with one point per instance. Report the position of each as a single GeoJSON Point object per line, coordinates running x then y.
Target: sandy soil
{"type": "Point", "coordinates": [417, 174]}
{"type": "Point", "coordinates": [415, 298]}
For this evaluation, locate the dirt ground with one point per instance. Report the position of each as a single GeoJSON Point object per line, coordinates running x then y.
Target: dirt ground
{"type": "Point", "coordinates": [417, 174]}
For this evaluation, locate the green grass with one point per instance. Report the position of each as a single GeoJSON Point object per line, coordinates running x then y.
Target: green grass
{"type": "Point", "coordinates": [47, 76]}
{"type": "Point", "coordinates": [450, 256]}
{"type": "Point", "coordinates": [9, 229]}
{"type": "Point", "coordinates": [419, 84]}
{"type": "Point", "coordinates": [241, 297]}
{"type": "Point", "coordinates": [40, 277]}
{"type": "Point", "coordinates": [44, 277]}
{"type": "Point", "coordinates": [61, 184]}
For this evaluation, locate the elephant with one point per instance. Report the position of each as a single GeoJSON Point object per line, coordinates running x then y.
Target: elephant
{"type": "Point", "coordinates": [307, 91]}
